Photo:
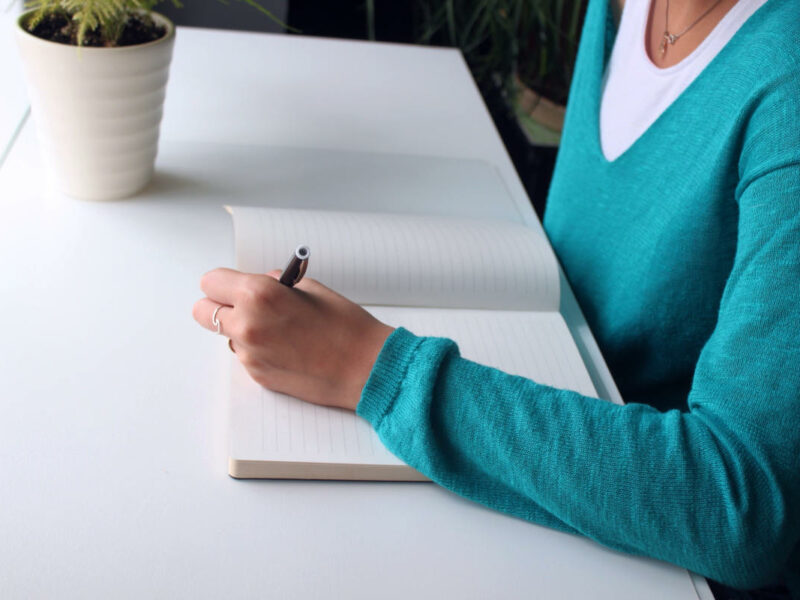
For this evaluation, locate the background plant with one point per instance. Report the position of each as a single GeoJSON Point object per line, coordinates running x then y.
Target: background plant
{"type": "Point", "coordinates": [108, 17]}
{"type": "Point", "coordinates": [534, 39]}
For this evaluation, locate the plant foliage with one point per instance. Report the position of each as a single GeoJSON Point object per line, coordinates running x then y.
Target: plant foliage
{"type": "Point", "coordinates": [536, 40]}
{"type": "Point", "coordinates": [106, 16]}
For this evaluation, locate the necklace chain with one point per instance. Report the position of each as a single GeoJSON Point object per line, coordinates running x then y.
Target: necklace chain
{"type": "Point", "coordinates": [671, 38]}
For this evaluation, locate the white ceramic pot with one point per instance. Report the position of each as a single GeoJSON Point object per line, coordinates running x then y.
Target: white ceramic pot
{"type": "Point", "coordinates": [98, 110]}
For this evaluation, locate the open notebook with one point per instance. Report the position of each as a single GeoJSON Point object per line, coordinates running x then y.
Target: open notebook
{"type": "Point", "coordinates": [492, 286]}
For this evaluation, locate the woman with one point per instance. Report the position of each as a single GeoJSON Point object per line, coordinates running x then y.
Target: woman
{"type": "Point", "coordinates": [675, 210]}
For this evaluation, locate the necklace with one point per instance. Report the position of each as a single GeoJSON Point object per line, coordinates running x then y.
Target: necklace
{"type": "Point", "coordinates": [671, 38]}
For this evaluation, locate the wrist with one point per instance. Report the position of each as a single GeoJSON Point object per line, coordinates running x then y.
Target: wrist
{"type": "Point", "coordinates": [371, 349]}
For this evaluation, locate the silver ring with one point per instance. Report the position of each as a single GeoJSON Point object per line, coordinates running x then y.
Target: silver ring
{"type": "Point", "coordinates": [215, 321]}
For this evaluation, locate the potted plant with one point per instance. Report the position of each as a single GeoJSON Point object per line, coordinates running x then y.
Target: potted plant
{"type": "Point", "coordinates": [546, 56]}
{"type": "Point", "coordinates": [97, 72]}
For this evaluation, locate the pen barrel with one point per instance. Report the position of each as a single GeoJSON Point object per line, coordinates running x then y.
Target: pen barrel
{"type": "Point", "coordinates": [296, 268]}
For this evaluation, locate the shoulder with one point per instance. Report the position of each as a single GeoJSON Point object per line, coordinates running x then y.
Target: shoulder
{"type": "Point", "coordinates": [760, 76]}
{"type": "Point", "coordinates": [769, 40]}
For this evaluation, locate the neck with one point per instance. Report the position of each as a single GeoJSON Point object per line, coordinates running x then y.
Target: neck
{"type": "Point", "coordinates": [685, 22]}
{"type": "Point", "coordinates": [683, 12]}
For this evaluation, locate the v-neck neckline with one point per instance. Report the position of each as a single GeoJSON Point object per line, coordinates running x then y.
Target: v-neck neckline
{"type": "Point", "coordinates": [602, 59]}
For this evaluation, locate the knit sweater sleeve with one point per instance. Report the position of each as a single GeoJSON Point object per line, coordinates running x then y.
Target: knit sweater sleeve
{"type": "Point", "coordinates": [714, 488]}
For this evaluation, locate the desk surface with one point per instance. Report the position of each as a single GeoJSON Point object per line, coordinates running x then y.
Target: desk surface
{"type": "Point", "coordinates": [112, 401]}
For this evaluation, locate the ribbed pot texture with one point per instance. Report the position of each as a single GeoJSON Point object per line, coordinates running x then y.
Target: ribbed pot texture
{"type": "Point", "coordinates": [98, 110]}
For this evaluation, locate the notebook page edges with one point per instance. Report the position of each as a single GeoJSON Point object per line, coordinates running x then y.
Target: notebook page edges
{"type": "Point", "coordinates": [406, 260]}
{"type": "Point", "coordinates": [274, 429]}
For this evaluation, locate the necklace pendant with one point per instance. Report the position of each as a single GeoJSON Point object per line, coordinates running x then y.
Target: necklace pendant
{"type": "Point", "coordinates": [668, 38]}
{"type": "Point", "coordinates": [663, 46]}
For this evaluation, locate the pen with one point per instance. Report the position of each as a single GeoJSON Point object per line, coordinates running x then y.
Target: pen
{"type": "Point", "coordinates": [297, 266]}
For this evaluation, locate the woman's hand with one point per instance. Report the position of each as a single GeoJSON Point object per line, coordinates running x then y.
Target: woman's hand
{"type": "Point", "coordinates": [307, 341]}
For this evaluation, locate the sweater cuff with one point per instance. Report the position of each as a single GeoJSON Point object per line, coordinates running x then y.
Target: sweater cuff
{"type": "Point", "coordinates": [387, 375]}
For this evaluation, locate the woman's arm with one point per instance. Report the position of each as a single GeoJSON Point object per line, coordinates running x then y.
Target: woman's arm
{"type": "Point", "coordinates": [715, 489]}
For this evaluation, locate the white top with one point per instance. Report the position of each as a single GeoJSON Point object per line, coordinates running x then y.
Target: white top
{"type": "Point", "coordinates": [635, 91]}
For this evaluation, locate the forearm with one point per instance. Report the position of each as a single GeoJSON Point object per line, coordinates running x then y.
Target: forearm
{"type": "Point", "coordinates": [674, 486]}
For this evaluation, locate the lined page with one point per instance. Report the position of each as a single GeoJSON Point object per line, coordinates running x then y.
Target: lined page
{"type": "Point", "coordinates": [274, 427]}
{"type": "Point", "coordinates": [406, 260]}
{"type": "Point", "coordinates": [535, 345]}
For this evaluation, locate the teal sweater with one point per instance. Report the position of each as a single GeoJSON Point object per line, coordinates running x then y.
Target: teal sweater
{"type": "Point", "coordinates": [685, 256]}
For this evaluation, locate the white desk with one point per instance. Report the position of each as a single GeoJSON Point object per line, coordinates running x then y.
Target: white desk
{"type": "Point", "coordinates": [112, 400]}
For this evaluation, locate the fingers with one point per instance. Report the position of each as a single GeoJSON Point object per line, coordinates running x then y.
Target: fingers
{"type": "Point", "coordinates": [221, 285]}
{"type": "Point", "coordinates": [203, 313]}
{"type": "Point", "coordinates": [230, 287]}
{"type": "Point", "coordinates": [251, 294]}
{"type": "Point", "coordinates": [249, 303]}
